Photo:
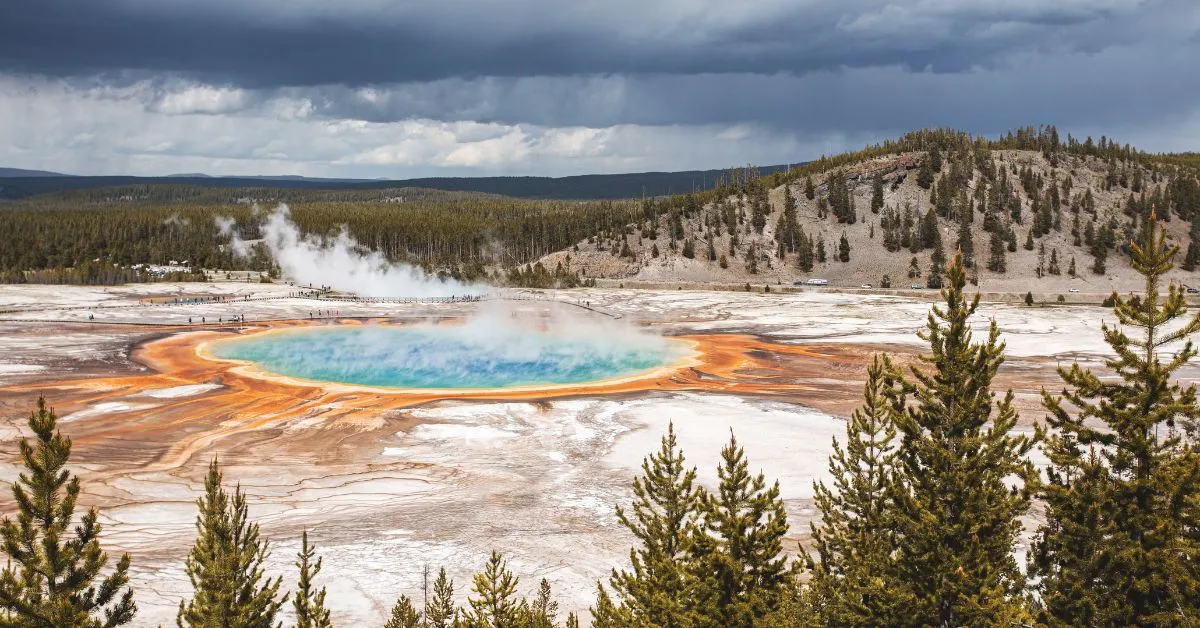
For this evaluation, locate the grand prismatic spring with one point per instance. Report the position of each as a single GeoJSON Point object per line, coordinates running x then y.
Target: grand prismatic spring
{"type": "Point", "coordinates": [448, 356]}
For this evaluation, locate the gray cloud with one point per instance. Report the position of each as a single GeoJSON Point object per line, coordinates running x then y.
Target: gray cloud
{"type": "Point", "coordinates": [380, 88]}
{"type": "Point", "coordinates": [260, 43]}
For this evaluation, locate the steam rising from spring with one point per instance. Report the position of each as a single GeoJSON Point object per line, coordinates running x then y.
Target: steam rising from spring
{"type": "Point", "coordinates": [340, 262]}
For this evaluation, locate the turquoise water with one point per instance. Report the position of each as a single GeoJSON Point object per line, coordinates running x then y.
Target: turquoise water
{"type": "Point", "coordinates": [449, 356]}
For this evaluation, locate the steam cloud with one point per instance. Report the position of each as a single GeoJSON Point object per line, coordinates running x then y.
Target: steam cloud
{"type": "Point", "coordinates": [340, 262]}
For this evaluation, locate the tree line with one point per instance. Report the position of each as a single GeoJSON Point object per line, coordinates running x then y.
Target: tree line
{"type": "Point", "coordinates": [454, 234]}
{"type": "Point", "coordinates": [919, 526]}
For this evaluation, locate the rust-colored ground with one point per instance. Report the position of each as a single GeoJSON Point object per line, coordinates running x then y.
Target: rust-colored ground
{"type": "Point", "coordinates": [825, 376]}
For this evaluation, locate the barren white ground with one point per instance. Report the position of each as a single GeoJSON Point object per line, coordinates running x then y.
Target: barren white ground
{"type": "Point", "coordinates": [537, 481]}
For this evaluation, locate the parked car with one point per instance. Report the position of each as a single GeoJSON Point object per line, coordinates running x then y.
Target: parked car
{"type": "Point", "coordinates": [865, 286]}
{"type": "Point", "coordinates": [1073, 290]}
{"type": "Point", "coordinates": [918, 286]}
{"type": "Point", "coordinates": [818, 282]}
{"type": "Point", "coordinates": [1193, 290]}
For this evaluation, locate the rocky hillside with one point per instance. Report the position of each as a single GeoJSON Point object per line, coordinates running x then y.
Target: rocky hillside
{"type": "Point", "coordinates": [1041, 220]}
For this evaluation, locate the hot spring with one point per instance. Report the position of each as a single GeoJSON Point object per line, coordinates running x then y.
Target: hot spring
{"type": "Point", "coordinates": [452, 357]}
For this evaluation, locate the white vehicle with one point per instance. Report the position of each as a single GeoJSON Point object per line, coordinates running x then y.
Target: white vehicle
{"type": "Point", "coordinates": [818, 282]}
{"type": "Point", "coordinates": [865, 286]}
{"type": "Point", "coordinates": [1073, 290]}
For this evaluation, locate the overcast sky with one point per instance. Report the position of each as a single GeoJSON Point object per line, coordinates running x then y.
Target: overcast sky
{"type": "Point", "coordinates": [377, 88]}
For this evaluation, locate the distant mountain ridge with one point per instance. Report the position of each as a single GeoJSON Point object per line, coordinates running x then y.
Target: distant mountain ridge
{"type": "Point", "coordinates": [577, 187]}
{"type": "Point", "coordinates": [8, 173]}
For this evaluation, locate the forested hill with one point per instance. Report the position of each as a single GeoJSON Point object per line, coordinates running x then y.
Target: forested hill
{"type": "Point", "coordinates": [1030, 211]}
{"type": "Point", "coordinates": [590, 186]}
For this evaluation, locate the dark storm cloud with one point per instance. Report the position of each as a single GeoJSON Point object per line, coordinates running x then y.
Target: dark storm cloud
{"type": "Point", "coordinates": [260, 44]}
{"type": "Point", "coordinates": [422, 87]}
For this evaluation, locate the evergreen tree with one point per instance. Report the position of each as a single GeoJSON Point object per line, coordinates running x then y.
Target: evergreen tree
{"type": "Point", "coordinates": [844, 249]}
{"type": "Point", "coordinates": [494, 603]}
{"type": "Point", "coordinates": [743, 575]}
{"type": "Point", "coordinates": [996, 246]}
{"type": "Point", "coordinates": [440, 611]}
{"type": "Point", "coordinates": [607, 614]}
{"type": "Point", "coordinates": [1192, 258]}
{"type": "Point", "coordinates": [966, 244]}
{"type": "Point", "coordinates": [404, 615]}
{"type": "Point", "coordinates": [659, 587]}
{"type": "Point", "coordinates": [56, 580]}
{"type": "Point", "coordinates": [925, 174]}
{"type": "Point", "coordinates": [543, 610]}
{"type": "Point", "coordinates": [309, 603]}
{"type": "Point", "coordinates": [876, 193]}
{"type": "Point", "coordinates": [1121, 540]}
{"type": "Point", "coordinates": [1100, 253]}
{"type": "Point", "coordinates": [810, 191]}
{"type": "Point", "coordinates": [854, 577]}
{"type": "Point", "coordinates": [225, 565]}
{"type": "Point", "coordinates": [752, 259]}
{"type": "Point", "coordinates": [804, 259]}
{"type": "Point", "coordinates": [937, 264]}
{"type": "Point", "coordinates": [1071, 267]}
{"type": "Point", "coordinates": [957, 517]}
{"type": "Point", "coordinates": [821, 250]}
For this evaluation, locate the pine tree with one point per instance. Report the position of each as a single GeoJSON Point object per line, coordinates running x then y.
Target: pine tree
{"type": "Point", "coordinates": [876, 193]}
{"type": "Point", "coordinates": [744, 576]}
{"type": "Point", "coordinates": [937, 264]}
{"type": "Point", "coordinates": [404, 615]}
{"type": "Point", "coordinates": [543, 610]}
{"type": "Point", "coordinates": [854, 577]}
{"type": "Point", "coordinates": [440, 611]}
{"type": "Point", "coordinates": [821, 250]}
{"type": "Point", "coordinates": [309, 604]}
{"type": "Point", "coordinates": [804, 257]}
{"type": "Point", "coordinates": [810, 191]}
{"type": "Point", "coordinates": [225, 565]}
{"type": "Point", "coordinates": [996, 258]}
{"type": "Point", "coordinates": [844, 249]}
{"type": "Point", "coordinates": [54, 582]}
{"type": "Point", "coordinates": [1120, 541]}
{"type": "Point", "coordinates": [606, 614]}
{"type": "Point", "coordinates": [966, 244]}
{"type": "Point", "coordinates": [659, 586]}
{"type": "Point", "coordinates": [1100, 255]}
{"type": "Point", "coordinates": [925, 174]}
{"type": "Point", "coordinates": [1192, 258]}
{"type": "Point", "coordinates": [494, 603]}
{"type": "Point", "coordinates": [958, 519]}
